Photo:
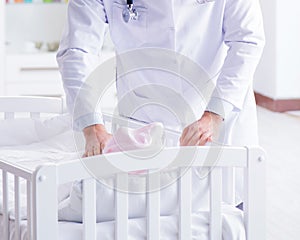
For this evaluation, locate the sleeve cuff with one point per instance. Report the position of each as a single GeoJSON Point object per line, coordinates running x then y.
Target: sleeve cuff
{"type": "Point", "coordinates": [219, 106]}
{"type": "Point", "coordinates": [87, 120]}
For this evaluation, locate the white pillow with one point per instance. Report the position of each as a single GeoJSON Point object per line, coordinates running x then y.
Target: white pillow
{"type": "Point", "coordinates": [17, 132]}
{"type": "Point", "coordinates": [50, 127]}
{"type": "Point", "coordinates": [23, 131]}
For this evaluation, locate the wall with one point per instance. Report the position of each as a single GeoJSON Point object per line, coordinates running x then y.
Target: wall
{"type": "Point", "coordinates": [33, 22]}
{"type": "Point", "coordinates": [278, 74]}
{"type": "Point", "coordinates": [265, 77]}
{"type": "Point", "coordinates": [288, 49]}
{"type": "Point", "coordinates": [2, 46]}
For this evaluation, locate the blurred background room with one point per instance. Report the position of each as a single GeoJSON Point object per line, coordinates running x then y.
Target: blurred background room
{"type": "Point", "coordinates": [30, 31]}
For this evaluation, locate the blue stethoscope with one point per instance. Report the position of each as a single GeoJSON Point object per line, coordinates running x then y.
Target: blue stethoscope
{"type": "Point", "coordinates": [130, 12]}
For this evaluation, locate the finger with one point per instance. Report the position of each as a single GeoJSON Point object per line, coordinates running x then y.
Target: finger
{"type": "Point", "coordinates": [193, 137]}
{"type": "Point", "coordinates": [96, 150]}
{"type": "Point", "coordinates": [193, 140]}
{"type": "Point", "coordinates": [102, 146]}
{"type": "Point", "coordinates": [189, 134]}
{"type": "Point", "coordinates": [84, 155]}
{"type": "Point", "coordinates": [204, 138]}
{"type": "Point", "coordinates": [182, 137]}
{"type": "Point", "coordinates": [89, 153]}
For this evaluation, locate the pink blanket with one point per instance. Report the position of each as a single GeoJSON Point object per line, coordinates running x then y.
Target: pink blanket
{"type": "Point", "coordinates": [125, 139]}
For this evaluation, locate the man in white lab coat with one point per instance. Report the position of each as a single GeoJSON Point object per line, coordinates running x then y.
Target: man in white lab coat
{"type": "Point", "coordinates": [224, 37]}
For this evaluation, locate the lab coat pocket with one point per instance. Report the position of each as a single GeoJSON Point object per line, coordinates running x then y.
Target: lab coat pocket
{"type": "Point", "coordinates": [131, 34]}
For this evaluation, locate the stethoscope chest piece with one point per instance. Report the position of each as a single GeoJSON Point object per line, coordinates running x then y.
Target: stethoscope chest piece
{"type": "Point", "coordinates": [130, 13]}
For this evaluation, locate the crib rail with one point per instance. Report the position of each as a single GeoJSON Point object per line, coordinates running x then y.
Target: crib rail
{"type": "Point", "coordinates": [47, 178]}
{"type": "Point", "coordinates": [42, 191]}
{"type": "Point", "coordinates": [42, 204]}
{"type": "Point", "coordinates": [30, 104]}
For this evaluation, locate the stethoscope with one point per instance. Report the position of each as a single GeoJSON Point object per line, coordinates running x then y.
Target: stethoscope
{"type": "Point", "coordinates": [130, 12]}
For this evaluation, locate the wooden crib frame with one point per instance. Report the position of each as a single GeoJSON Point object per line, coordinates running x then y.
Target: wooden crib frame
{"type": "Point", "coordinates": [42, 223]}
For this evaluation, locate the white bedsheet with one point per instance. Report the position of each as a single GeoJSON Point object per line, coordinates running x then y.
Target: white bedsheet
{"type": "Point", "coordinates": [231, 218]}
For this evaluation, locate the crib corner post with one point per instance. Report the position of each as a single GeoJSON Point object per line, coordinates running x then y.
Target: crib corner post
{"type": "Point", "coordinates": [45, 206]}
{"type": "Point", "coordinates": [255, 194]}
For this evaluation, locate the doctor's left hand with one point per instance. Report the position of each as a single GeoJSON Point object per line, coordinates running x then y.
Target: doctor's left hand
{"type": "Point", "coordinates": [202, 131]}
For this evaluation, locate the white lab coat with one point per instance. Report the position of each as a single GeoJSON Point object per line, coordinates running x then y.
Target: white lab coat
{"type": "Point", "coordinates": [222, 36]}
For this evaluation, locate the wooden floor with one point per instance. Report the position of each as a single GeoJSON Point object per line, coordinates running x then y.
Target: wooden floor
{"type": "Point", "coordinates": [280, 136]}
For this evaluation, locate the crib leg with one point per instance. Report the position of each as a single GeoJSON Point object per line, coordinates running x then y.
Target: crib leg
{"type": "Point", "coordinates": [255, 199]}
{"type": "Point", "coordinates": [45, 224]}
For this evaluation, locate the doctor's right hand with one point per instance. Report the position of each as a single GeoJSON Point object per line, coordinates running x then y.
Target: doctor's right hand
{"type": "Point", "coordinates": [206, 129]}
{"type": "Point", "coordinates": [96, 138]}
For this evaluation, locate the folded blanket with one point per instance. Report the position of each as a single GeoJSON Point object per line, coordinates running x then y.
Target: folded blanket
{"type": "Point", "coordinates": [125, 139]}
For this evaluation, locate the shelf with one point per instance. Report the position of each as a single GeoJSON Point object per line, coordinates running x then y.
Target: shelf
{"type": "Point", "coordinates": [18, 2]}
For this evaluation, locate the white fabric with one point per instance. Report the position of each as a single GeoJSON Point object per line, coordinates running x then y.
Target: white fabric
{"type": "Point", "coordinates": [23, 131]}
{"type": "Point", "coordinates": [232, 220]}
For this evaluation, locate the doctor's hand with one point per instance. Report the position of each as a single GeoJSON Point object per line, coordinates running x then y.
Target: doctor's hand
{"type": "Point", "coordinates": [96, 138]}
{"type": "Point", "coordinates": [202, 131]}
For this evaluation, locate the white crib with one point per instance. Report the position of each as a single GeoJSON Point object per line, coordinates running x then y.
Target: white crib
{"type": "Point", "coordinates": [42, 223]}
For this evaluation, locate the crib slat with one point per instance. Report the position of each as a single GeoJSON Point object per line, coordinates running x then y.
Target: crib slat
{"type": "Point", "coordinates": [5, 205]}
{"type": "Point", "coordinates": [121, 214]}
{"type": "Point", "coordinates": [215, 203]}
{"type": "Point", "coordinates": [89, 207]}
{"type": "Point", "coordinates": [229, 185]}
{"type": "Point", "coordinates": [17, 208]}
{"type": "Point", "coordinates": [29, 210]}
{"type": "Point", "coordinates": [153, 206]}
{"type": "Point", "coordinates": [9, 115]}
{"type": "Point", "coordinates": [185, 185]}
{"type": "Point", "coordinates": [255, 195]}
{"type": "Point", "coordinates": [35, 115]}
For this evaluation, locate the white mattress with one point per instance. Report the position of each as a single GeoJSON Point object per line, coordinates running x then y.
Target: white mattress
{"type": "Point", "coordinates": [232, 227]}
